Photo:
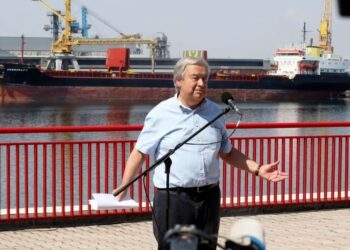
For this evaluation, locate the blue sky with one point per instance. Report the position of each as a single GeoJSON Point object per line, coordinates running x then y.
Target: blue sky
{"type": "Point", "coordinates": [225, 28]}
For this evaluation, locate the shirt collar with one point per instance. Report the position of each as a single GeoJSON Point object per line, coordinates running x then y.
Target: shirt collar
{"type": "Point", "coordinates": [188, 108]}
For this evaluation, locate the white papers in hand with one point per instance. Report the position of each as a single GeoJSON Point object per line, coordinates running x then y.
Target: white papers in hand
{"type": "Point", "coordinates": [108, 201]}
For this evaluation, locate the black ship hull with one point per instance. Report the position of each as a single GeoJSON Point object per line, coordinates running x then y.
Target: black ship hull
{"type": "Point", "coordinates": [149, 86]}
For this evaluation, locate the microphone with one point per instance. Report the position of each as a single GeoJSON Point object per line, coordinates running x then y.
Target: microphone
{"type": "Point", "coordinates": [228, 99]}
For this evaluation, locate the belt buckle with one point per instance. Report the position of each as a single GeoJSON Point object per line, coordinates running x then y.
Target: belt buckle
{"type": "Point", "coordinates": [206, 188]}
{"type": "Point", "coordinates": [202, 189]}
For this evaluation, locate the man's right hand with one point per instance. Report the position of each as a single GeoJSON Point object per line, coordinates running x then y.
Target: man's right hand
{"type": "Point", "coordinates": [121, 195]}
{"type": "Point", "coordinates": [133, 165]}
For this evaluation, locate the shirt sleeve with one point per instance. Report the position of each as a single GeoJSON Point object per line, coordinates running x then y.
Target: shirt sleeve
{"type": "Point", "coordinates": [148, 139]}
{"type": "Point", "coordinates": [226, 143]}
{"type": "Point", "coordinates": [225, 146]}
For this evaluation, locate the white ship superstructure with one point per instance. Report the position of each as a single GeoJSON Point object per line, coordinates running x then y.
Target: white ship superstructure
{"type": "Point", "coordinates": [290, 62]}
{"type": "Point", "coordinates": [293, 61]}
{"type": "Point", "coordinates": [329, 62]}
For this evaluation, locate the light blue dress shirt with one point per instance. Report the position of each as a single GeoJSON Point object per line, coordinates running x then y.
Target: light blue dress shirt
{"type": "Point", "coordinates": [194, 164]}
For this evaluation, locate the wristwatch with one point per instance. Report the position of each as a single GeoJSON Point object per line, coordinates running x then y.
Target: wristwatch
{"type": "Point", "coordinates": [257, 171]}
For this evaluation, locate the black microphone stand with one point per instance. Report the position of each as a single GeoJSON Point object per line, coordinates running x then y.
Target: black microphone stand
{"type": "Point", "coordinates": [167, 161]}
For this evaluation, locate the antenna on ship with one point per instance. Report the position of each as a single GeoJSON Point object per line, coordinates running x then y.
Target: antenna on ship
{"type": "Point", "coordinates": [304, 31]}
{"type": "Point", "coordinates": [22, 49]}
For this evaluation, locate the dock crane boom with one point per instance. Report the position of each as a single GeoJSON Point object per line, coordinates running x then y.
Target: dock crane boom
{"type": "Point", "coordinates": [63, 45]}
{"type": "Point", "coordinates": [102, 20]}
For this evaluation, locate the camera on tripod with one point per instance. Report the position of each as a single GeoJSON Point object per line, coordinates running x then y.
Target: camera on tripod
{"type": "Point", "coordinates": [182, 237]}
{"type": "Point", "coordinates": [245, 234]}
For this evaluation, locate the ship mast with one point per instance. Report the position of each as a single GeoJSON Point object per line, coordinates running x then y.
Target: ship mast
{"type": "Point", "coordinates": [325, 39]}
{"type": "Point", "coordinates": [22, 49]}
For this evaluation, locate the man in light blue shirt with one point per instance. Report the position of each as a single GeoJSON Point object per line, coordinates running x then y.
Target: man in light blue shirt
{"type": "Point", "coordinates": [196, 163]}
{"type": "Point", "coordinates": [194, 172]}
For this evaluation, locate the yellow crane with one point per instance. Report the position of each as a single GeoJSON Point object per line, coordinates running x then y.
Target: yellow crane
{"type": "Point", "coordinates": [63, 45]}
{"type": "Point", "coordinates": [325, 39]}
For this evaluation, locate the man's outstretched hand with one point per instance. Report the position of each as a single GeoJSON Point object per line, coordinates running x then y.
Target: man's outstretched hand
{"type": "Point", "coordinates": [271, 173]}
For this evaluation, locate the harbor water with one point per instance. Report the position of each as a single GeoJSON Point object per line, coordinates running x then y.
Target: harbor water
{"type": "Point", "coordinates": [31, 115]}
{"type": "Point", "coordinates": [133, 113]}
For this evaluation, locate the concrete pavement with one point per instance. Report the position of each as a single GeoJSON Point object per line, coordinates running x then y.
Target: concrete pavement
{"type": "Point", "coordinates": [317, 229]}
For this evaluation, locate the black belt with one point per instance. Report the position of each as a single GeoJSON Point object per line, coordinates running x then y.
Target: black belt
{"type": "Point", "coordinates": [201, 189]}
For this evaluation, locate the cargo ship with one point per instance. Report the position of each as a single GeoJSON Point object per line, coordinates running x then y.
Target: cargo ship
{"type": "Point", "coordinates": [305, 82]}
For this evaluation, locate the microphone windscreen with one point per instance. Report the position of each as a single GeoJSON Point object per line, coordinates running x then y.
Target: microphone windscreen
{"type": "Point", "coordinates": [225, 97]}
{"type": "Point", "coordinates": [248, 232]}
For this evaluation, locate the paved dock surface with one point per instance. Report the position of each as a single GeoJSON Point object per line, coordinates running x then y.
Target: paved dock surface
{"type": "Point", "coordinates": [319, 229]}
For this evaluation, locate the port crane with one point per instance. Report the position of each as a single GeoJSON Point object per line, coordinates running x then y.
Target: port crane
{"type": "Point", "coordinates": [62, 48]}
{"type": "Point", "coordinates": [84, 25]}
{"type": "Point", "coordinates": [325, 36]}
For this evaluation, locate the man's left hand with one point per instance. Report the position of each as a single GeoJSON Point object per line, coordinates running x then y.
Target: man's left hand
{"type": "Point", "coordinates": [271, 173]}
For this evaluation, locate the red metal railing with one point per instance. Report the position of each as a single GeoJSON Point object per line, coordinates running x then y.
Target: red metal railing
{"type": "Point", "coordinates": [54, 179]}
{"type": "Point", "coordinates": [89, 74]}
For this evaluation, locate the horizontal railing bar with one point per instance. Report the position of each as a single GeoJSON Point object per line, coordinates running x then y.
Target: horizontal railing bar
{"type": "Point", "coordinates": [66, 142]}
{"type": "Point", "coordinates": [133, 140]}
{"type": "Point", "coordinates": [58, 129]}
{"type": "Point", "coordinates": [289, 125]}
{"type": "Point", "coordinates": [85, 207]}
